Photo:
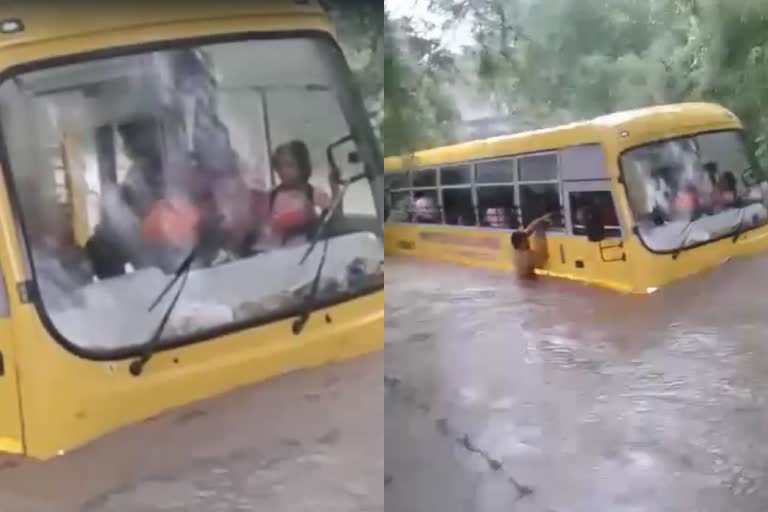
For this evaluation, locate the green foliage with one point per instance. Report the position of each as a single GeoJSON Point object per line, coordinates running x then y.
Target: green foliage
{"type": "Point", "coordinates": [390, 60]}
{"type": "Point", "coordinates": [359, 25]}
{"type": "Point", "coordinates": [417, 110]}
{"type": "Point", "coordinates": [553, 61]}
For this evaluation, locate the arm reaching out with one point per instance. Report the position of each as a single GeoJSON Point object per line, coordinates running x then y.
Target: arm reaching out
{"type": "Point", "coordinates": [537, 222]}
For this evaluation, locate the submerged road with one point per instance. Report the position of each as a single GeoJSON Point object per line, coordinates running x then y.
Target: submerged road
{"type": "Point", "coordinates": [311, 441]}
{"type": "Point", "coordinates": [558, 397]}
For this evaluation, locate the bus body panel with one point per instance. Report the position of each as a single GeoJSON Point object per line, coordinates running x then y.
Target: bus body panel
{"type": "Point", "coordinates": [491, 249]}
{"type": "Point", "coordinates": [92, 398]}
{"type": "Point", "coordinates": [11, 440]}
{"type": "Point", "coordinates": [153, 34]}
{"type": "Point", "coordinates": [48, 21]}
{"type": "Point", "coordinates": [11, 425]}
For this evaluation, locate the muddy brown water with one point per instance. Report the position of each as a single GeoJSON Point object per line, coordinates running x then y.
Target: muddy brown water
{"type": "Point", "coordinates": [308, 441]}
{"type": "Point", "coordinates": [557, 396]}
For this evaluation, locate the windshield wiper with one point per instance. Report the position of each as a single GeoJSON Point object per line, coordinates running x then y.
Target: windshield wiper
{"type": "Point", "coordinates": [308, 304]}
{"type": "Point", "coordinates": [330, 212]}
{"type": "Point", "coordinates": [148, 349]}
{"type": "Point", "coordinates": [739, 231]}
{"type": "Point", "coordinates": [684, 233]}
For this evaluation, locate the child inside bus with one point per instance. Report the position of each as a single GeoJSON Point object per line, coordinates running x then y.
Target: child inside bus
{"type": "Point", "coordinates": [524, 257]}
{"type": "Point", "coordinates": [295, 204]}
{"type": "Point", "coordinates": [725, 194]}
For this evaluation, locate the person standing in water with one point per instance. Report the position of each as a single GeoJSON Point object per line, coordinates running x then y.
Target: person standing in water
{"type": "Point", "coordinates": [524, 257]}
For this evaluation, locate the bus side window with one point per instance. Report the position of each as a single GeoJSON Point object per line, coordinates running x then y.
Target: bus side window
{"type": "Point", "coordinates": [397, 203]}
{"type": "Point", "coordinates": [496, 203]}
{"type": "Point", "coordinates": [458, 207]}
{"type": "Point", "coordinates": [497, 208]}
{"type": "Point", "coordinates": [540, 189]}
{"type": "Point", "coordinates": [539, 199]}
{"type": "Point", "coordinates": [426, 201]}
{"type": "Point", "coordinates": [399, 206]}
{"type": "Point", "coordinates": [579, 201]}
{"type": "Point", "coordinates": [456, 190]}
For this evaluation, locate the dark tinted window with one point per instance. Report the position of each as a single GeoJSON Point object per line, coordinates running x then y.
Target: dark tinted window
{"type": "Point", "coordinates": [497, 171]}
{"type": "Point", "coordinates": [424, 178]}
{"type": "Point", "coordinates": [397, 180]}
{"type": "Point", "coordinates": [538, 167]}
{"type": "Point", "coordinates": [459, 175]}
{"type": "Point", "coordinates": [537, 200]}
{"type": "Point", "coordinates": [458, 207]}
{"type": "Point", "coordinates": [604, 203]}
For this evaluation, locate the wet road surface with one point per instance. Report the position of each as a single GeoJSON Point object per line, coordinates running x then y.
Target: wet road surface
{"type": "Point", "coordinates": [558, 397]}
{"type": "Point", "coordinates": [311, 441]}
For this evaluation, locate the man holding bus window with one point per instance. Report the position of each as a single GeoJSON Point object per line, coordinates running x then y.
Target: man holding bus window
{"type": "Point", "coordinates": [525, 256]}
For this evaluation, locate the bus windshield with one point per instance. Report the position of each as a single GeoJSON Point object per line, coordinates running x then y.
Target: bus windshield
{"type": "Point", "coordinates": [121, 165]}
{"type": "Point", "coordinates": [688, 191]}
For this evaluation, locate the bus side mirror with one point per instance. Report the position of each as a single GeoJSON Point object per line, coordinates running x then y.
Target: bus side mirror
{"type": "Point", "coordinates": [593, 224]}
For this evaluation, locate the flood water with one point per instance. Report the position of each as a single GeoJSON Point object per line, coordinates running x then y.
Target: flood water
{"type": "Point", "coordinates": [311, 441]}
{"type": "Point", "coordinates": [559, 397]}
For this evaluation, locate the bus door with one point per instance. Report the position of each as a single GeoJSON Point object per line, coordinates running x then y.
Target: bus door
{"type": "Point", "coordinates": [603, 257]}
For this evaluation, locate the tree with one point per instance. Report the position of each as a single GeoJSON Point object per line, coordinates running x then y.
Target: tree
{"type": "Point", "coordinates": [360, 27]}
{"type": "Point", "coordinates": [552, 61]}
{"type": "Point", "coordinates": [418, 112]}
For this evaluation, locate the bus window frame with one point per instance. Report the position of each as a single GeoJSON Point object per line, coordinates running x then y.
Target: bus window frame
{"type": "Point", "coordinates": [582, 186]}
{"type": "Point", "coordinates": [516, 183]}
{"type": "Point", "coordinates": [558, 181]}
{"type": "Point", "coordinates": [406, 173]}
{"type": "Point", "coordinates": [470, 167]}
{"type": "Point", "coordinates": [28, 287]}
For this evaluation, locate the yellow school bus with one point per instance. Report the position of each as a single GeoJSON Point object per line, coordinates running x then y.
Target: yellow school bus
{"type": "Point", "coordinates": [102, 112]}
{"type": "Point", "coordinates": [640, 198]}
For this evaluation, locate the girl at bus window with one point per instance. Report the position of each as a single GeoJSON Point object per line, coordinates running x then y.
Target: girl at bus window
{"type": "Point", "coordinates": [725, 193]}
{"type": "Point", "coordinates": [295, 204]}
{"type": "Point", "coordinates": [687, 203]}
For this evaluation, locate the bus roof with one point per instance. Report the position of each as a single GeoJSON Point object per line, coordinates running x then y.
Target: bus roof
{"type": "Point", "coordinates": [631, 127]}
{"type": "Point", "coordinates": [50, 20]}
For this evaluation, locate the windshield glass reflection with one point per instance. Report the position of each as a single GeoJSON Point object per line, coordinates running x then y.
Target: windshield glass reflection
{"type": "Point", "coordinates": [123, 165]}
{"type": "Point", "coordinates": [692, 190]}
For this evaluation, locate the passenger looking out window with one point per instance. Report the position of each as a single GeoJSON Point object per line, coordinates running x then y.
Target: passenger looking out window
{"type": "Point", "coordinates": [725, 194]}
{"type": "Point", "coordinates": [138, 213]}
{"type": "Point", "coordinates": [694, 189]}
{"type": "Point", "coordinates": [497, 218]}
{"type": "Point", "coordinates": [160, 157]}
{"type": "Point", "coordinates": [295, 204]}
{"type": "Point", "coordinates": [425, 210]}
